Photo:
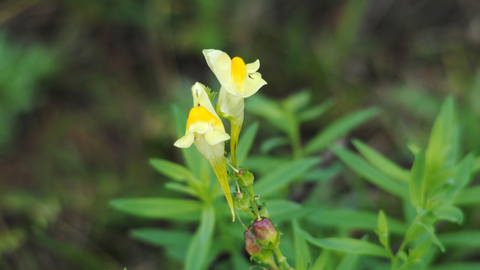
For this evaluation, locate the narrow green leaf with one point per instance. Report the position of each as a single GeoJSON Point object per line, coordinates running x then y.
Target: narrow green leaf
{"type": "Point", "coordinates": [315, 112]}
{"type": "Point", "coordinates": [431, 230]}
{"type": "Point", "coordinates": [172, 170]}
{"type": "Point", "coordinates": [245, 142]}
{"type": "Point", "coordinates": [383, 232]}
{"type": "Point", "coordinates": [415, 254]}
{"type": "Point", "coordinates": [351, 219]}
{"type": "Point", "coordinates": [273, 143]}
{"type": "Point", "coordinates": [159, 208]}
{"type": "Point", "coordinates": [297, 101]}
{"type": "Point", "coordinates": [202, 241]}
{"type": "Point", "coordinates": [475, 165]}
{"type": "Point", "coordinates": [264, 164]}
{"type": "Point", "coordinates": [283, 176]}
{"type": "Point", "coordinates": [282, 209]}
{"type": "Point", "coordinates": [371, 174]}
{"type": "Point", "coordinates": [268, 109]}
{"type": "Point", "coordinates": [382, 163]}
{"type": "Point", "coordinates": [302, 253]}
{"type": "Point", "coordinates": [461, 177]}
{"type": "Point", "coordinates": [450, 213]}
{"type": "Point", "coordinates": [348, 245]}
{"type": "Point", "coordinates": [338, 129]}
{"type": "Point", "coordinates": [324, 174]}
{"type": "Point", "coordinates": [464, 239]}
{"type": "Point", "coordinates": [468, 196]}
{"type": "Point", "coordinates": [348, 262]}
{"type": "Point", "coordinates": [456, 266]}
{"type": "Point", "coordinates": [417, 180]}
{"type": "Point", "coordinates": [181, 188]}
{"type": "Point", "coordinates": [441, 141]}
{"type": "Point", "coordinates": [322, 260]}
{"type": "Point", "coordinates": [166, 238]}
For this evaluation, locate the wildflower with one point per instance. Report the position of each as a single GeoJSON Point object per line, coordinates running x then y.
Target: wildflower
{"type": "Point", "coordinates": [266, 233]}
{"type": "Point", "coordinates": [206, 131]}
{"type": "Point", "coordinates": [256, 251]}
{"type": "Point", "coordinates": [239, 81]}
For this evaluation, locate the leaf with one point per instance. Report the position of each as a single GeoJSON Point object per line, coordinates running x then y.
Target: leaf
{"type": "Point", "coordinates": [245, 142]}
{"type": "Point", "coordinates": [265, 164]}
{"type": "Point", "coordinates": [417, 180]}
{"type": "Point", "coordinates": [461, 177]}
{"type": "Point", "coordinates": [338, 129]}
{"type": "Point", "coordinates": [415, 254]}
{"type": "Point", "coordinates": [166, 238]}
{"type": "Point", "coordinates": [268, 109]}
{"type": "Point", "coordinates": [302, 252]}
{"type": "Point", "coordinates": [468, 196]}
{"type": "Point", "coordinates": [383, 232]}
{"type": "Point", "coordinates": [351, 219]}
{"type": "Point", "coordinates": [324, 174]}
{"type": "Point", "coordinates": [450, 213]}
{"type": "Point", "coordinates": [283, 176]}
{"type": "Point", "coordinates": [431, 230]}
{"type": "Point", "coordinates": [463, 239]}
{"type": "Point", "coordinates": [348, 262]}
{"type": "Point", "coordinates": [172, 170]}
{"type": "Point", "coordinates": [440, 145]}
{"type": "Point", "coordinates": [159, 208]}
{"type": "Point", "coordinates": [371, 174]}
{"type": "Point", "coordinates": [476, 165]}
{"type": "Point", "coordinates": [297, 101]}
{"type": "Point", "coordinates": [280, 210]}
{"type": "Point", "coordinates": [456, 266]}
{"type": "Point", "coordinates": [202, 240]}
{"type": "Point", "coordinates": [182, 188]}
{"type": "Point", "coordinates": [273, 143]}
{"type": "Point", "coordinates": [322, 260]}
{"type": "Point", "coordinates": [382, 163]}
{"type": "Point", "coordinates": [348, 245]}
{"type": "Point", "coordinates": [315, 112]}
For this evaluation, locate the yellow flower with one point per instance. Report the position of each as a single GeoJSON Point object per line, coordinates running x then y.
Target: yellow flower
{"type": "Point", "coordinates": [238, 81]}
{"type": "Point", "coordinates": [206, 131]}
{"type": "Point", "coordinates": [234, 75]}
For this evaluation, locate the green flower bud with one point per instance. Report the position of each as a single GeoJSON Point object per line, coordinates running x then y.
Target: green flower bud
{"type": "Point", "coordinates": [245, 178]}
{"type": "Point", "coordinates": [266, 233]}
{"type": "Point", "coordinates": [241, 202]}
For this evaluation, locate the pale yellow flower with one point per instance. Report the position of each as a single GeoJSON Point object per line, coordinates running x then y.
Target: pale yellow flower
{"type": "Point", "coordinates": [234, 75]}
{"type": "Point", "coordinates": [206, 131]}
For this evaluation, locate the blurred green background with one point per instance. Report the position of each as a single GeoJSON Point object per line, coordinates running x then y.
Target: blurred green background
{"type": "Point", "coordinates": [86, 88]}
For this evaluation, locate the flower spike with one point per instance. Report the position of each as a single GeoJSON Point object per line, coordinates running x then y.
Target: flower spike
{"type": "Point", "coordinates": [206, 131]}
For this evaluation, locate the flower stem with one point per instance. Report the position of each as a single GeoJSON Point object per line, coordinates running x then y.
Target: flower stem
{"type": "Point", "coordinates": [282, 260]}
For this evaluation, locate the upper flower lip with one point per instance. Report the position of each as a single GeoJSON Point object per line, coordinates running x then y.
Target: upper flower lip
{"type": "Point", "coordinates": [221, 65]}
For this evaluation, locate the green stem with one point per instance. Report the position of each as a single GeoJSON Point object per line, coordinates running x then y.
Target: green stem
{"type": "Point", "coordinates": [282, 260]}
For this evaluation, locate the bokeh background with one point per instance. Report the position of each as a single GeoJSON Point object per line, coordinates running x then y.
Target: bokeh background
{"type": "Point", "coordinates": [86, 88]}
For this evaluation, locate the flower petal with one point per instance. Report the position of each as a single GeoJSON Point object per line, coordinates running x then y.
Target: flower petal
{"type": "Point", "coordinates": [186, 141]}
{"type": "Point", "coordinates": [253, 82]}
{"type": "Point", "coordinates": [200, 97]}
{"type": "Point", "coordinates": [199, 127]}
{"type": "Point", "coordinates": [214, 137]}
{"type": "Point", "coordinates": [253, 67]}
{"type": "Point", "coordinates": [221, 65]}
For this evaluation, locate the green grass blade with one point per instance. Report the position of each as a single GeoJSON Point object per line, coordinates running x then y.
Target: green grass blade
{"type": "Point", "coordinates": [370, 173]}
{"type": "Point", "coordinates": [283, 176]}
{"type": "Point", "coordinates": [202, 240]}
{"type": "Point", "coordinates": [159, 208]}
{"type": "Point", "coordinates": [382, 163]}
{"type": "Point", "coordinates": [338, 129]}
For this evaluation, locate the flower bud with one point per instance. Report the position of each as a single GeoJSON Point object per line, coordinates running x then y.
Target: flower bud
{"type": "Point", "coordinates": [266, 233]}
{"type": "Point", "coordinates": [241, 202]}
{"type": "Point", "coordinates": [256, 251]}
{"type": "Point", "coordinates": [245, 178]}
